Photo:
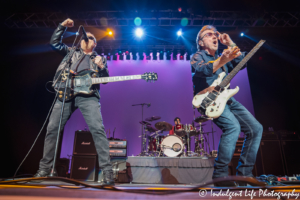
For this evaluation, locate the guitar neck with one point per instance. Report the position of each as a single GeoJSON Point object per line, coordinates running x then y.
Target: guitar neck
{"type": "Point", "coordinates": [115, 79]}
{"type": "Point", "coordinates": [230, 76]}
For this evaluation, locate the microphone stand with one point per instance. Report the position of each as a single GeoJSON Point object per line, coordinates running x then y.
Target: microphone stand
{"type": "Point", "coordinates": [66, 68]}
{"type": "Point", "coordinates": [143, 149]}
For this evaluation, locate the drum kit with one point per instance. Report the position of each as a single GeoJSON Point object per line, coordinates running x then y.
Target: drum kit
{"type": "Point", "coordinates": [156, 142]}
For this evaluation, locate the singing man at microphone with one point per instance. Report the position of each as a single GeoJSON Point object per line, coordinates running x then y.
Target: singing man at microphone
{"type": "Point", "coordinates": [84, 58]}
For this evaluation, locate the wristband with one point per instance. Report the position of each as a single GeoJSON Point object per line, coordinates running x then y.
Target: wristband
{"type": "Point", "coordinates": [232, 45]}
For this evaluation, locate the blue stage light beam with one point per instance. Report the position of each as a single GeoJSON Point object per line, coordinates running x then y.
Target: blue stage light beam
{"type": "Point", "coordinates": [139, 32]}
{"type": "Point", "coordinates": [242, 34]}
{"type": "Point", "coordinates": [179, 33]}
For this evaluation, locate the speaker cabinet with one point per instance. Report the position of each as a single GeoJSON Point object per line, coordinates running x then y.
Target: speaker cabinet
{"type": "Point", "coordinates": [84, 168]}
{"type": "Point", "coordinates": [269, 158]}
{"type": "Point", "coordinates": [84, 143]}
{"type": "Point", "coordinates": [291, 152]}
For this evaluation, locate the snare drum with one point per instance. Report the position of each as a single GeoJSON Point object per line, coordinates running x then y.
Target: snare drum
{"type": "Point", "coordinates": [172, 146]}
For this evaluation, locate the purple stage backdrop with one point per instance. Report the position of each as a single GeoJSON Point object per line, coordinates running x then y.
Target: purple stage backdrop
{"type": "Point", "coordinates": [170, 96]}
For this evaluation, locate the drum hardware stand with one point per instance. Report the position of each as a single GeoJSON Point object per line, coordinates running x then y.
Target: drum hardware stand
{"type": "Point", "coordinates": [143, 143]}
{"type": "Point", "coordinates": [189, 152]}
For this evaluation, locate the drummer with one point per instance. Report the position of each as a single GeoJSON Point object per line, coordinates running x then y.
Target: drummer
{"type": "Point", "coordinates": [176, 121]}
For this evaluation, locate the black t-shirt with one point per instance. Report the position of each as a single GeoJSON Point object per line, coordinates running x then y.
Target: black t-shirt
{"type": "Point", "coordinates": [82, 64]}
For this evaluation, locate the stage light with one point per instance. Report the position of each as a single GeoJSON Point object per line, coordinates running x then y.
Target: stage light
{"type": "Point", "coordinates": [188, 56]}
{"type": "Point", "coordinates": [108, 58]}
{"type": "Point", "coordinates": [242, 34]}
{"type": "Point", "coordinates": [141, 55]}
{"type": "Point", "coordinates": [161, 55]}
{"type": "Point", "coordinates": [174, 55]}
{"type": "Point", "coordinates": [179, 33]}
{"type": "Point", "coordinates": [134, 57]}
{"type": "Point", "coordinates": [110, 33]}
{"type": "Point", "coordinates": [168, 57]}
{"type": "Point", "coordinates": [139, 32]}
{"type": "Point", "coordinates": [154, 55]}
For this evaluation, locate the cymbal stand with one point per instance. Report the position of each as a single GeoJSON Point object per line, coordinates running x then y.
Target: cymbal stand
{"type": "Point", "coordinates": [189, 152]}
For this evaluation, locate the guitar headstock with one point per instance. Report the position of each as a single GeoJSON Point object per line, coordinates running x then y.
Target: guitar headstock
{"type": "Point", "coordinates": [150, 76]}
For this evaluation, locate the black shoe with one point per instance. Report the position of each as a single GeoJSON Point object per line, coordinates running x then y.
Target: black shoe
{"type": "Point", "coordinates": [108, 178]}
{"type": "Point", "coordinates": [225, 184]}
{"type": "Point", "coordinates": [41, 173]}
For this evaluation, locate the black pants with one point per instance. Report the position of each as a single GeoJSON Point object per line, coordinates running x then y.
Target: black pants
{"type": "Point", "coordinates": [90, 109]}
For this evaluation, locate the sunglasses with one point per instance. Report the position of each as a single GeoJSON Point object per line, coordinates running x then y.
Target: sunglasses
{"type": "Point", "coordinates": [210, 35]}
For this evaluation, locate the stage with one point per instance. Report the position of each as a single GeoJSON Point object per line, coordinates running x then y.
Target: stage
{"type": "Point", "coordinates": [170, 170]}
{"type": "Point", "coordinates": [61, 190]}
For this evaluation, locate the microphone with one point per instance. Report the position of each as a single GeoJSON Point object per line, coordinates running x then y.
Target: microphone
{"type": "Point", "coordinates": [148, 105]}
{"type": "Point", "coordinates": [85, 37]}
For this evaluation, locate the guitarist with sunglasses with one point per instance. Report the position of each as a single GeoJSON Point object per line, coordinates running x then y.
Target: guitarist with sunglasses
{"type": "Point", "coordinates": [84, 58]}
{"type": "Point", "coordinates": [206, 66]}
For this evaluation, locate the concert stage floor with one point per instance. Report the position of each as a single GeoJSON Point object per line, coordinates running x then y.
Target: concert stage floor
{"type": "Point", "coordinates": [48, 190]}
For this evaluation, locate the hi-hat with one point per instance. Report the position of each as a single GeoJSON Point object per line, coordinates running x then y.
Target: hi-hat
{"type": "Point", "coordinates": [153, 118]}
{"type": "Point", "coordinates": [164, 126]}
{"type": "Point", "coordinates": [201, 119]}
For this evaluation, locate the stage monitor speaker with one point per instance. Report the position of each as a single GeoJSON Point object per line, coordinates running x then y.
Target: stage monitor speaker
{"type": "Point", "coordinates": [291, 152]}
{"type": "Point", "coordinates": [84, 143]}
{"type": "Point", "coordinates": [269, 158]}
{"type": "Point", "coordinates": [84, 168]}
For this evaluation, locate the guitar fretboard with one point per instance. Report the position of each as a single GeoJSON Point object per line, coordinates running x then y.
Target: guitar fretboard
{"type": "Point", "coordinates": [228, 78]}
{"type": "Point", "coordinates": [115, 79]}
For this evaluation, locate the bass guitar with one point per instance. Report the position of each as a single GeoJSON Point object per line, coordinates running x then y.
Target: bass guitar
{"type": "Point", "coordinates": [212, 100]}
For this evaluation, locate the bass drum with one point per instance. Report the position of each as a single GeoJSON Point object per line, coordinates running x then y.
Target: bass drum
{"type": "Point", "coordinates": [172, 146]}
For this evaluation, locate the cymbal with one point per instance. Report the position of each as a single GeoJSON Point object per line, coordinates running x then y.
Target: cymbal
{"type": "Point", "coordinates": [164, 126]}
{"type": "Point", "coordinates": [150, 128]}
{"type": "Point", "coordinates": [144, 123]}
{"type": "Point", "coordinates": [201, 119]}
{"type": "Point", "coordinates": [153, 118]}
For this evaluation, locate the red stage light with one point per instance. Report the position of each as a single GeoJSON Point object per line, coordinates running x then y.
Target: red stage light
{"type": "Point", "coordinates": [179, 9]}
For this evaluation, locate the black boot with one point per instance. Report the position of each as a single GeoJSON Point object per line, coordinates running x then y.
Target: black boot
{"type": "Point", "coordinates": [108, 178]}
{"type": "Point", "coordinates": [41, 173]}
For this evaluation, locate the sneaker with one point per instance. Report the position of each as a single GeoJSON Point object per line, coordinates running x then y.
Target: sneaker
{"type": "Point", "coordinates": [108, 177]}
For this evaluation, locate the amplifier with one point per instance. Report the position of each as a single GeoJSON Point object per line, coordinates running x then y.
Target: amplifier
{"type": "Point", "coordinates": [120, 144]}
{"type": "Point", "coordinates": [117, 152]}
{"type": "Point", "coordinates": [84, 143]}
{"type": "Point", "coordinates": [288, 135]}
{"type": "Point", "coordinates": [84, 168]}
{"type": "Point", "coordinates": [269, 135]}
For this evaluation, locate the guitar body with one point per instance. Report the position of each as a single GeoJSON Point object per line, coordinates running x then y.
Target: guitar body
{"type": "Point", "coordinates": [216, 107]}
{"type": "Point", "coordinates": [78, 84]}
{"type": "Point", "coordinates": [212, 100]}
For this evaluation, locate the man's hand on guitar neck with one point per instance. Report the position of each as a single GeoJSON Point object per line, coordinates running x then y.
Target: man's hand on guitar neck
{"type": "Point", "coordinates": [227, 56]}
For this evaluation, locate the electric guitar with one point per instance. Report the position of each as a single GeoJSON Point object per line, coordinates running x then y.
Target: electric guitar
{"type": "Point", "coordinates": [212, 100]}
{"type": "Point", "coordinates": [81, 83]}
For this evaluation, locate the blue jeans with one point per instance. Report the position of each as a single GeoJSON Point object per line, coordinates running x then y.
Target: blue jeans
{"type": "Point", "coordinates": [234, 119]}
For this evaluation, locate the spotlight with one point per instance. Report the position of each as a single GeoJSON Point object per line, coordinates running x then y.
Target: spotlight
{"type": "Point", "coordinates": [242, 34]}
{"type": "Point", "coordinates": [108, 57]}
{"type": "Point", "coordinates": [179, 33]}
{"type": "Point", "coordinates": [110, 33]}
{"type": "Point", "coordinates": [127, 55]}
{"type": "Point", "coordinates": [139, 32]}
{"type": "Point", "coordinates": [121, 55]}
{"type": "Point", "coordinates": [181, 56]}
